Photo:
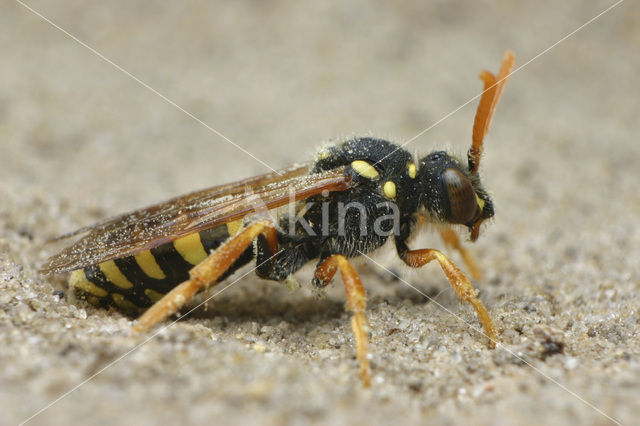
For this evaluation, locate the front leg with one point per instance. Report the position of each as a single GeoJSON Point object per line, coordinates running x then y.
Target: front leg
{"type": "Point", "coordinates": [450, 238]}
{"type": "Point", "coordinates": [460, 283]}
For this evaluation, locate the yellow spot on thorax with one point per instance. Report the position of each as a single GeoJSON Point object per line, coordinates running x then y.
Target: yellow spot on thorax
{"type": "Point", "coordinates": [412, 169]}
{"type": "Point", "coordinates": [79, 280]}
{"type": "Point", "coordinates": [191, 248]}
{"type": "Point", "coordinates": [114, 275]}
{"type": "Point", "coordinates": [389, 189]}
{"type": "Point", "coordinates": [147, 262]}
{"type": "Point", "coordinates": [365, 169]}
{"type": "Point", "coordinates": [480, 202]}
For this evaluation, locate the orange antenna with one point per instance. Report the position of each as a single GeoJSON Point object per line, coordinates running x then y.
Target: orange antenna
{"type": "Point", "coordinates": [493, 87]}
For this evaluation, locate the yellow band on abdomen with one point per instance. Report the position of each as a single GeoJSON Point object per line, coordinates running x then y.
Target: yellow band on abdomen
{"type": "Point", "coordinates": [123, 303]}
{"type": "Point", "coordinates": [114, 275]}
{"type": "Point", "coordinates": [153, 295]}
{"type": "Point", "coordinates": [191, 248]}
{"type": "Point", "coordinates": [234, 227]}
{"type": "Point", "coordinates": [79, 280]}
{"type": "Point", "coordinates": [149, 265]}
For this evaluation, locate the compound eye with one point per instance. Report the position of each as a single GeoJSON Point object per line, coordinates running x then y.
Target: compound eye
{"type": "Point", "coordinates": [462, 198]}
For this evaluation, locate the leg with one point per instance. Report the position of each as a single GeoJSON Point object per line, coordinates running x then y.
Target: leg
{"type": "Point", "coordinates": [207, 272]}
{"type": "Point", "coordinates": [460, 283]}
{"type": "Point", "coordinates": [451, 239]}
{"type": "Point", "coordinates": [356, 302]}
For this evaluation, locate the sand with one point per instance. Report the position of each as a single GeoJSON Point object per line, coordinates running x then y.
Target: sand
{"type": "Point", "coordinates": [81, 141]}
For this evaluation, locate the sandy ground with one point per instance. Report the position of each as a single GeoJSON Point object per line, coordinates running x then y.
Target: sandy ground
{"type": "Point", "coordinates": [81, 141]}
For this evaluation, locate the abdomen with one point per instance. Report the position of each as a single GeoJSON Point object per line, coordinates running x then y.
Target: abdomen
{"type": "Point", "coordinates": [138, 281]}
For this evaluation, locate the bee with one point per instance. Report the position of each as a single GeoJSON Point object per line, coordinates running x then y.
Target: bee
{"type": "Point", "coordinates": [353, 198]}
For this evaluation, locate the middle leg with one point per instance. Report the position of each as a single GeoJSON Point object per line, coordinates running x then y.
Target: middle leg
{"type": "Point", "coordinates": [356, 303]}
{"type": "Point", "coordinates": [460, 283]}
{"type": "Point", "coordinates": [451, 239]}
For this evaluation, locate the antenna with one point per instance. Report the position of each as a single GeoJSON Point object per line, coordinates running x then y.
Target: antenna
{"type": "Point", "coordinates": [493, 87]}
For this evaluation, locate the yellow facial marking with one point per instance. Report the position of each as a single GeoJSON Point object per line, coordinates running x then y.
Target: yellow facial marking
{"type": "Point", "coordinates": [114, 275]}
{"type": "Point", "coordinates": [79, 279]}
{"type": "Point", "coordinates": [123, 303]}
{"type": "Point", "coordinates": [190, 248]}
{"type": "Point", "coordinates": [389, 189]}
{"type": "Point", "coordinates": [234, 227]}
{"type": "Point", "coordinates": [412, 170]}
{"type": "Point", "coordinates": [153, 295]}
{"type": "Point", "coordinates": [480, 202]}
{"type": "Point", "coordinates": [147, 262]}
{"type": "Point", "coordinates": [365, 169]}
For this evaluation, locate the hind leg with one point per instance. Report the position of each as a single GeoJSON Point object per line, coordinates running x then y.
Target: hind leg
{"type": "Point", "coordinates": [206, 273]}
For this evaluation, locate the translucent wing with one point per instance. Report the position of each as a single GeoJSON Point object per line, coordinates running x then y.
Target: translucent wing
{"type": "Point", "coordinates": [167, 221]}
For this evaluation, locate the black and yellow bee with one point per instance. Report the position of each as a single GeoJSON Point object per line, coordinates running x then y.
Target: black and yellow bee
{"type": "Point", "coordinates": [350, 201]}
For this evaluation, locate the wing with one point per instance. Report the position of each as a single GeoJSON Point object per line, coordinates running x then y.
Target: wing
{"type": "Point", "coordinates": [161, 223]}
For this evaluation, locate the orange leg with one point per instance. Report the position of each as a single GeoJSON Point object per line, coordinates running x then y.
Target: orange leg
{"type": "Point", "coordinates": [356, 303]}
{"type": "Point", "coordinates": [460, 283]}
{"type": "Point", "coordinates": [205, 273]}
{"type": "Point", "coordinates": [451, 239]}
